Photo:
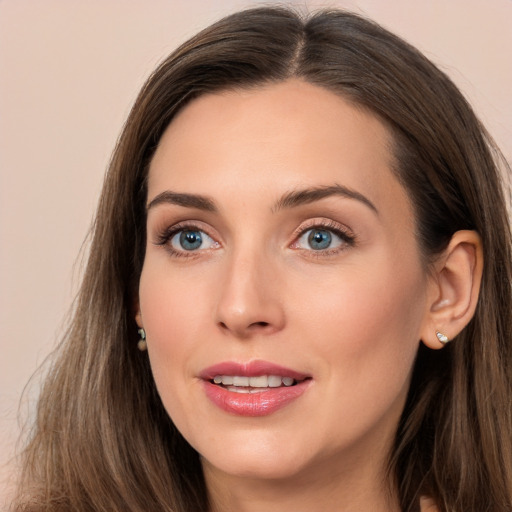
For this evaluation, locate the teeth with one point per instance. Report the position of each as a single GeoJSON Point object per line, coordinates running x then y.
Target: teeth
{"type": "Point", "coordinates": [274, 381]}
{"type": "Point", "coordinates": [258, 382]}
{"type": "Point", "coordinates": [240, 381]}
{"type": "Point", "coordinates": [262, 381]}
{"type": "Point", "coordinates": [246, 390]}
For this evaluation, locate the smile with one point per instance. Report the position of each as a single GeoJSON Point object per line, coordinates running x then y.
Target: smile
{"type": "Point", "coordinates": [260, 384]}
{"type": "Point", "coordinates": [257, 388]}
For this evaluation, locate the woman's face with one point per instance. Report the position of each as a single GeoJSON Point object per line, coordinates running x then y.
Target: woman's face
{"type": "Point", "coordinates": [282, 291]}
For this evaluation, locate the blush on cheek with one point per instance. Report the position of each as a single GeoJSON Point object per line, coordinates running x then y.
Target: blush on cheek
{"type": "Point", "coordinates": [373, 330]}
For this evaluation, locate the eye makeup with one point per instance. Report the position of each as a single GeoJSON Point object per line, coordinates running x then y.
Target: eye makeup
{"type": "Point", "coordinates": [318, 237]}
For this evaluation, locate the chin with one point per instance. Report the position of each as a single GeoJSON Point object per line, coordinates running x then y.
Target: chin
{"type": "Point", "coordinates": [258, 468]}
{"type": "Point", "coordinates": [256, 460]}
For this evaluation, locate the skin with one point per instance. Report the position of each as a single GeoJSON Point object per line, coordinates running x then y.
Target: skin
{"type": "Point", "coordinates": [351, 316]}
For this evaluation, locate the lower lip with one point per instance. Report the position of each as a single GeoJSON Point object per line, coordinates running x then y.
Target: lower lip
{"type": "Point", "coordinates": [254, 404]}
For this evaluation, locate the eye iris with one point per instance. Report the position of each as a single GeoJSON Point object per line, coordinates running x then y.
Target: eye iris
{"type": "Point", "coordinates": [190, 240]}
{"type": "Point", "coordinates": [319, 239]}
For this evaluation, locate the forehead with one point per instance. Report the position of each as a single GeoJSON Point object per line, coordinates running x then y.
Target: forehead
{"type": "Point", "coordinates": [280, 136]}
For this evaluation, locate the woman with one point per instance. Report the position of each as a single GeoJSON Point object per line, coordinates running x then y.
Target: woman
{"type": "Point", "coordinates": [298, 214]}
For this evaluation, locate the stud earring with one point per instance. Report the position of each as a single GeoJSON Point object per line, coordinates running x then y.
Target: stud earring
{"type": "Point", "coordinates": [442, 337]}
{"type": "Point", "coordinates": [142, 344]}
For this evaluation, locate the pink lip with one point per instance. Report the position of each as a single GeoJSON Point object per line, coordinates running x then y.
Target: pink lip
{"type": "Point", "coordinates": [251, 369]}
{"type": "Point", "coordinates": [253, 404]}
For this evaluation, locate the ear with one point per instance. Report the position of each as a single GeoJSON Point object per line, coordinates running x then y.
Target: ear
{"type": "Point", "coordinates": [454, 288]}
{"type": "Point", "coordinates": [138, 314]}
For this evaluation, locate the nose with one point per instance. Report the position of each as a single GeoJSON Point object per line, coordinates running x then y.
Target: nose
{"type": "Point", "coordinates": [250, 298]}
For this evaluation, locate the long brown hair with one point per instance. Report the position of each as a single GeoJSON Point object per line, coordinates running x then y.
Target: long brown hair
{"type": "Point", "coordinates": [102, 439]}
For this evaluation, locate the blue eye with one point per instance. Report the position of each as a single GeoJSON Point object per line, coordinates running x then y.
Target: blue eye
{"type": "Point", "coordinates": [318, 239]}
{"type": "Point", "coordinates": [191, 240]}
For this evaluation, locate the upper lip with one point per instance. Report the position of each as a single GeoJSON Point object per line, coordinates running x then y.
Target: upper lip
{"type": "Point", "coordinates": [250, 369]}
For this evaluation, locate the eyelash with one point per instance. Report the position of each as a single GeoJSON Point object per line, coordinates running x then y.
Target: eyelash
{"type": "Point", "coordinates": [167, 234]}
{"type": "Point", "coordinates": [347, 237]}
{"type": "Point", "coordinates": [343, 233]}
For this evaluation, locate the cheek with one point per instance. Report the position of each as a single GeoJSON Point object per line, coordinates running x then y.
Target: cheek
{"type": "Point", "coordinates": [376, 311]}
{"type": "Point", "coordinates": [366, 303]}
{"type": "Point", "coordinates": [174, 317]}
{"type": "Point", "coordinates": [366, 326]}
{"type": "Point", "coordinates": [172, 302]}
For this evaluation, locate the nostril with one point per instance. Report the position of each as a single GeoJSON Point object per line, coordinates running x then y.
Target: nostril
{"type": "Point", "coordinates": [259, 324]}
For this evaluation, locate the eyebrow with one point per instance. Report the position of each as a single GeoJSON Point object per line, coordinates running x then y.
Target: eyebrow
{"type": "Point", "coordinates": [181, 199]}
{"type": "Point", "coordinates": [289, 200]}
{"type": "Point", "coordinates": [310, 195]}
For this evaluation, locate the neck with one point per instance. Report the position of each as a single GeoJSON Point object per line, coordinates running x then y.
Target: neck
{"type": "Point", "coordinates": [317, 489]}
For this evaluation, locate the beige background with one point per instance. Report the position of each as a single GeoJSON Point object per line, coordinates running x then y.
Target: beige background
{"type": "Point", "coordinates": [69, 71]}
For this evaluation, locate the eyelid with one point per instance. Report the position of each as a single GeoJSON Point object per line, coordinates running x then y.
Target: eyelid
{"type": "Point", "coordinates": [323, 223]}
{"type": "Point", "coordinates": [164, 236]}
{"type": "Point", "coordinates": [340, 230]}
